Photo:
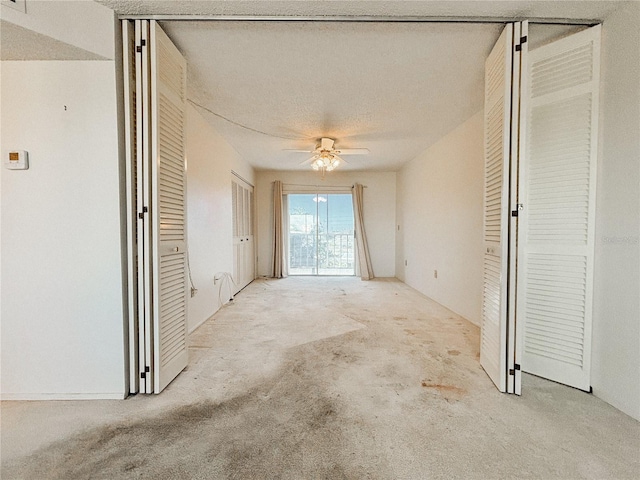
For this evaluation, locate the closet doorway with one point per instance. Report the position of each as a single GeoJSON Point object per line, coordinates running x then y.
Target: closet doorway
{"type": "Point", "coordinates": [321, 234]}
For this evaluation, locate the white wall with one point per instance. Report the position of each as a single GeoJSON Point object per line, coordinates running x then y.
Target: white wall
{"type": "Point", "coordinates": [62, 300]}
{"type": "Point", "coordinates": [616, 319]}
{"type": "Point", "coordinates": [210, 160]}
{"type": "Point", "coordinates": [63, 323]}
{"type": "Point", "coordinates": [82, 23]}
{"type": "Point", "coordinates": [439, 215]}
{"type": "Point", "coordinates": [379, 212]}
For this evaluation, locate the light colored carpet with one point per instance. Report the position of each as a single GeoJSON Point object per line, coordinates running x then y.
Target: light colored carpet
{"type": "Point", "coordinates": [327, 378]}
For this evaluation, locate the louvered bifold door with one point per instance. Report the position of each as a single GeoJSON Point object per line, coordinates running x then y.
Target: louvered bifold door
{"type": "Point", "coordinates": [556, 229]}
{"type": "Point", "coordinates": [238, 235]}
{"type": "Point", "coordinates": [250, 255]}
{"type": "Point", "coordinates": [243, 243]}
{"type": "Point", "coordinates": [168, 208]}
{"type": "Point", "coordinates": [497, 145]}
{"type": "Point", "coordinates": [143, 202]}
{"type": "Point", "coordinates": [518, 122]}
{"type": "Point", "coordinates": [130, 119]}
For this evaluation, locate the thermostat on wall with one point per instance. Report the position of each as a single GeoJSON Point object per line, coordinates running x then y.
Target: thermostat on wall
{"type": "Point", "coordinates": [17, 160]}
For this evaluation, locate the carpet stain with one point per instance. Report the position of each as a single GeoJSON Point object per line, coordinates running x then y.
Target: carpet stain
{"type": "Point", "coordinates": [449, 392]}
{"type": "Point", "coordinates": [281, 428]}
{"type": "Point", "coordinates": [275, 400]}
{"type": "Point", "coordinates": [455, 353]}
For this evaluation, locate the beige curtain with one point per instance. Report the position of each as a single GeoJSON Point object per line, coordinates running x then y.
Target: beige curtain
{"type": "Point", "coordinates": [279, 269]}
{"type": "Point", "coordinates": [366, 270]}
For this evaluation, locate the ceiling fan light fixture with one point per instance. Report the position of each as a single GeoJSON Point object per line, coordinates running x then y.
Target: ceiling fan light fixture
{"type": "Point", "coordinates": [325, 160]}
{"type": "Point", "coordinates": [326, 156]}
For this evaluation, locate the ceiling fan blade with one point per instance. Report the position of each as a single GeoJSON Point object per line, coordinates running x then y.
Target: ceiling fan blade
{"type": "Point", "coordinates": [307, 161]}
{"type": "Point", "coordinates": [342, 160]}
{"type": "Point", "coordinates": [353, 151]}
{"type": "Point", "coordinates": [297, 151]}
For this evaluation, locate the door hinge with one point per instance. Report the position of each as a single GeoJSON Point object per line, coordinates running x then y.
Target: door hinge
{"type": "Point", "coordinates": [144, 374]}
{"type": "Point", "coordinates": [522, 40]}
{"type": "Point", "coordinates": [139, 47]}
{"type": "Point", "coordinates": [513, 370]}
{"type": "Point", "coordinates": [141, 214]}
{"type": "Point", "coordinates": [514, 213]}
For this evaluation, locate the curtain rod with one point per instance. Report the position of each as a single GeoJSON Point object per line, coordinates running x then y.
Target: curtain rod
{"type": "Point", "coordinates": [319, 186]}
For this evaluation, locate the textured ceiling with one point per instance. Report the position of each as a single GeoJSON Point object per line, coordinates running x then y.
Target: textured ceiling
{"type": "Point", "coordinates": [394, 88]}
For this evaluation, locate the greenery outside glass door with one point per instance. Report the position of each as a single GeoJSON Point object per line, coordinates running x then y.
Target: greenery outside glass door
{"type": "Point", "coordinates": [321, 240]}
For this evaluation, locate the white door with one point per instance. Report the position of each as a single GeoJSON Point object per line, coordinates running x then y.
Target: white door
{"type": "Point", "coordinates": [243, 244]}
{"type": "Point", "coordinates": [556, 229]}
{"type": "Point", "coordinates": [518, 122]}
{"type": "Point", "coordinates": [497, 128]}
{"type": "Point", "coordinates": [498, 352]}
{"type": "Point", "coordinates": [168, 208]}
{"type": "Point", "coordinates": [155, 100]}
{"type": "Point", "coordinates": [142, 198]}
{"type": "Point", "coordinates": [249, 253]}
{"type": "Point", "coordinates": [129, 70]}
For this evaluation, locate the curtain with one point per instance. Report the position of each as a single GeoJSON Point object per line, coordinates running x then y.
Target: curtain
{"type": "Point", "coordinates": [279, 269]}
{"type": "Point", "coordinates": [366, 270]}
{"type": "Point", "coordinates": [285, 234]}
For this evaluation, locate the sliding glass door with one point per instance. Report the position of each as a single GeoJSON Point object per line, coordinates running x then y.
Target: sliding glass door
{"type": "Point", "coordinates": [321, 234]}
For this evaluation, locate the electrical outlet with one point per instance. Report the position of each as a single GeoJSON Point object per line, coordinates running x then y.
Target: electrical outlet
{"type": "Point", "coordinates": [435, 274]}
{"type": "Point", "coordinates": [193, 292]}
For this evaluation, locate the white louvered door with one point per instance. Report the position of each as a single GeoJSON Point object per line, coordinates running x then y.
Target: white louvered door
{"type": "Point", "coordinates": [129, 42]}
{"type": "Point", "coordinates": [497, 146]}
{"type": "Point", "coordinates": [250, 249]}
{"type": "Point", "coordinates": [168, 209]}
{"type": "Point", "coordinates": [155, 101]}
{"type": "Point", "coordinates": [143, 200]}
{"type": "Point", "coordinates": [243, 243]}
{"type": "Point", "coordinates": [556, 229]}
{"type": "Point", "coordinates": [518, 122]}
{"type": "Point", "coordinates": [238, 237]}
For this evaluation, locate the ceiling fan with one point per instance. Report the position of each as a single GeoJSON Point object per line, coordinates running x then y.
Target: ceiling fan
{"type": "Point", "coordinates": [326, 157]}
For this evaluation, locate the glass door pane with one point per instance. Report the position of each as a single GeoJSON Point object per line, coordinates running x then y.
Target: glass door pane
{"type": "Point", "coordinates": [335, 241]}
{"type": "Point", "coordinates": [303, 215]}
{"type": "Point", "coordinates": [321, 238]}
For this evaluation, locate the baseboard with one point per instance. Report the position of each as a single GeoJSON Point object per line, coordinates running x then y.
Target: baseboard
{"type": "Point", "coordinates": [61, 396]}
{"type": "Point", "coordinates": [202, 322]}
